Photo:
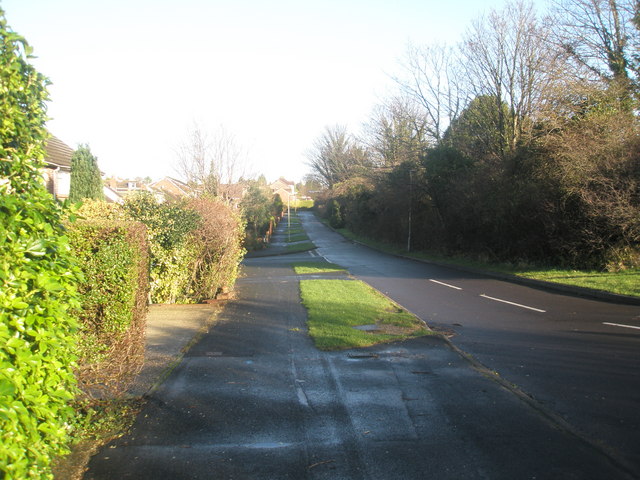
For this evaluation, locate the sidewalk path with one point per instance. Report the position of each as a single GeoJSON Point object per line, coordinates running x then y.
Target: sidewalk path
{"type": "Point", "coordinates": [170, 331]}
{"type": "Point", "coordinates": [253, 399]}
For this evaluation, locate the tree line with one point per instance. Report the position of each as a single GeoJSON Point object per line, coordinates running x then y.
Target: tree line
{"type": "Point", "coordinates": [519, 143]}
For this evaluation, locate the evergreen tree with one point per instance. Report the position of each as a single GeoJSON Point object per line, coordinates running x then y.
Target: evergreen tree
{"type": "Point", "coordinates": [85, 176]}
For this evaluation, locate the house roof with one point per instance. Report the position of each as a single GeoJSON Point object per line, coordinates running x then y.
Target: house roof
{"type": "Point", "coordinates": [180, 185]}
{"type": "Point", "coordinates": [57, 152]}
{"type": "Point", "coordinates": [281, 183]}
{"type": "Point", "coordinates": [172, 187]}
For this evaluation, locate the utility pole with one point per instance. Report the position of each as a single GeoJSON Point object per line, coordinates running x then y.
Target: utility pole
{"type": "Point", "coordinates": [410, 205]}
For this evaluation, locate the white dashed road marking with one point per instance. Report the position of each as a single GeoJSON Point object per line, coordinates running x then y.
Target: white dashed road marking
{"type": "Point", "coordinates": [512, 303]}
{"type": "Point", "coordinates": [445, 284]}
{"type": "Point", "coordinates": [621, 325]}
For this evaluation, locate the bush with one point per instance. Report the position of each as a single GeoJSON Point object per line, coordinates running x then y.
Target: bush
{"type": "Point", "coordinates": [168, 229]}
{"type": "Point", "coordinates": [37, 280]}
{"type": "Point", "coordinates": [218, 240]}
{"type": "Point", "coordinates": [261, 212]}
{"type": "Point", "coordinates": [195, 247]}
{"type": "Point", "coordinates": [113, 256]}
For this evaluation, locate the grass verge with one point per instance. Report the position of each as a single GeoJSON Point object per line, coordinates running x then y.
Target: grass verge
{"type": "Point", "coordinates": [300, 247]}
{"type": "Point", "coordinates": [335, 307]}
{"type": "Point", "coordinates": [296, 237]}
{"type": "Point", "coordinates": [625, 282]}
{"type": "Point", "coordinates": [312, 267]}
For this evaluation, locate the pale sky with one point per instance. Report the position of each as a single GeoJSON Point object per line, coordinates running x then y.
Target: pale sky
{"type": "Point", "coordinates": [130, 77]}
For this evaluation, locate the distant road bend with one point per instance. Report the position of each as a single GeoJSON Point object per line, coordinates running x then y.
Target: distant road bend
{"type": "Point", "coordinates": [576, 357]}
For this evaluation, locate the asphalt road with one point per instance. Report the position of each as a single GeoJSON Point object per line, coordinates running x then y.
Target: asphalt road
{"type": "Point", "coordinates": [577, 358]}
{"type": "Point", "coordinates": [254, 399]}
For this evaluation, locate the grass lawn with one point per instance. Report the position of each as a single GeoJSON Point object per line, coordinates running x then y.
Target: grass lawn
{"type": "Point", "coordinates": [622, 283]}
{"type": "Point", "coordinates": [311, 267]}
{"type": "Point", "coordinates": [296, 237]}
{"type": "Point", "coordinates": [335, 307]}
{"type": "Point", "coordinates": [302, 204]}
{"type": "Point", "coordinates": [300, 247]}
{"type": "Point", "coordinates": [294, 230]}
{"type": "Point", "coordinates": [293, 220]}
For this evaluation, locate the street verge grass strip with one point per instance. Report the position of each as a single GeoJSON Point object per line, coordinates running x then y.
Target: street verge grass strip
{"type": "Point", "coordinates": [313, 267]}
{"type": "Point", "coordinates": [626, 282]}
{"type": "Point", "coordinates": [335, 307]}
{"type": "Point", "coordinates": [298, 237]}
{"type": "Point", "coordinates": [300, 247]}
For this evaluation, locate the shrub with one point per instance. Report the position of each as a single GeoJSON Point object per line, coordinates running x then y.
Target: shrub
{"type": "Point", "coordinates": [218, 241]}
{"type": "Point", "coordinates": [168, 229]}
{"type": "Point", "coordinates": [37, 279]}
{"type": "Point", "coordinates": [99, 209]}
{"type": "Point", "coordinates": [260, 211]}
{"type": "Point", "coordinates": [113, 256]}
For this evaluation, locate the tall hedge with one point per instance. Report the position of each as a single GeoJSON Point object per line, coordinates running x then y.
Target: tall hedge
{"type": "Point", "coordinates": [195, 246]}
{"type": "Point", "coordinates": [218, 241]}
{"type": "Point", "coordinates": [37, 279]}
{"type": "Point", "coordinates": [113, 256]}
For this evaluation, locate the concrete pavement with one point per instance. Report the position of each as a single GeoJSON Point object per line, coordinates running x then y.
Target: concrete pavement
{"type": "Point", "coordinates": [254, 399]}
{"type": "Point", "coordinates": [170, 331]}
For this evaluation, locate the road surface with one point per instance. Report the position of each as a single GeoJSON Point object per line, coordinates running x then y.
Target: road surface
{"type": "Point", "coordinates": [579, 358]}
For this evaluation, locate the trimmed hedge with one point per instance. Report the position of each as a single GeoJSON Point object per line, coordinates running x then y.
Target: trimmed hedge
{"type": "Point", "coordinates": [219, 251]}
{"type": "Point", "coordinates": [37, 279]}
{"type": "Point", "coordinates": [195, 246]}
{"type": "Point", "coordinates": [113, 256]}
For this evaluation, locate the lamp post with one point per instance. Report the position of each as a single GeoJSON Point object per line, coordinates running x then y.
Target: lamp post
{"type": "Point", "coordinates": [289, 218]}
{"type": "Point", "coordinates": [291, 193]}
{"type": "Point", "coordinates": [410, 205]}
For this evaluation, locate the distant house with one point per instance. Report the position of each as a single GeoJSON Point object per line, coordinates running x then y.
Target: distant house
{"type": "Point", "coordinates": [57, 171]}
{"type": "Point", "coordinates": [111, 196]}
{"type": "Point", "coordinates": [172, 189]}
{"type": "Point", "coordinates": [233, 192]}
{"type": "Point", "coordinates": [124, 187]}
{"type": "Point", "coordinates": [285, 188]}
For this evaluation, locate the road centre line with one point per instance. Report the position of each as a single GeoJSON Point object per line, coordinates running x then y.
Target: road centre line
{"type": "Point", "coordinates": [512, 303]}
{"type": "Point", "coordinates": [621, 325]}
{"type": "Point", "coordinates": [445, 284]}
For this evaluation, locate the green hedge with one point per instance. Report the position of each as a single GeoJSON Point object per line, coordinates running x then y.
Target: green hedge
{"type": "Point", "coordinates": [195, 246]}
{"type": "Point", "coordinates": [37, 279]}
{"type": "Point", "coordinates": [36, 334]}
{"type": "Point", "coordinates": [218, 245]}
{"type": "Point", "coordinates": [113, 256]}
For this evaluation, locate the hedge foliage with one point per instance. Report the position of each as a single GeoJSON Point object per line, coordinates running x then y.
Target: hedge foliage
{"type": "Point", "coordinates": [113, 256]}
{"type": "Point", "coordinates": [218, 242]}
{"type": "Point", "coordinates": [261, 211]}
{"type": "Point", "coordinates": [195, 246]}
{"type": "Point", "coordinates": [37, 279]}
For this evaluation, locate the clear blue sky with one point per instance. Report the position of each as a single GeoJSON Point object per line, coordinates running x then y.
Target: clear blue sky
{"type": "Point", "coordinates": [131, 76]}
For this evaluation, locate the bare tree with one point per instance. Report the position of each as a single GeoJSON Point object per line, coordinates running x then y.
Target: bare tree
{"type": "Point", "coordinates": [432, 80]}
{"type": "Point", "coordinates": [211, 162]}
{"type": "Point", "coordinates": [194, 162]}
{"type": "Point", "coordinates": [507, 56]}
{"type": "Point", "coordinates": [396, 132]}
{"type": "Point", "coordinates": [599, 35]}
{"type": "Point", "coordinates": [336, 156]}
